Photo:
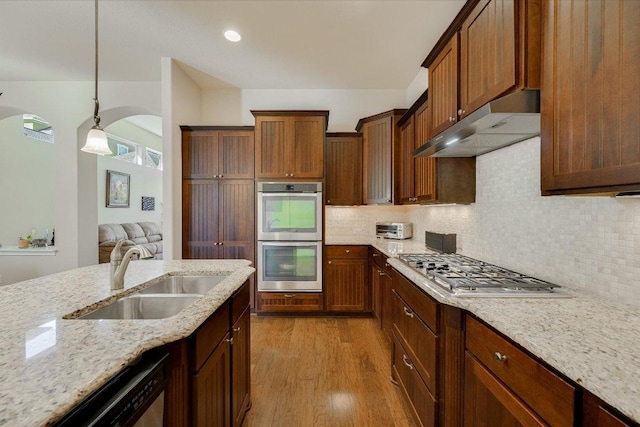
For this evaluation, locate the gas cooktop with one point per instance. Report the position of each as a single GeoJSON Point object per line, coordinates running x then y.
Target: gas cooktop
{"type": "Point", "coordinates": [468, 277]}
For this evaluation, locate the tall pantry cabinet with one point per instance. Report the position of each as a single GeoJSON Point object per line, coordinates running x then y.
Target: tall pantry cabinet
{"type": "Point", "coordinates": [218, 193]}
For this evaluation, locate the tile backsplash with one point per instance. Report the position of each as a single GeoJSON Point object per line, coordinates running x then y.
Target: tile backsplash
{"type": "Point", "coordinates": [590, 243]}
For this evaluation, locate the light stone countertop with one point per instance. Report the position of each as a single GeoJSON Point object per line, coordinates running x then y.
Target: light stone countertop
{"type": "Point", "coordinates": [592, 341]}
{"type": "Point", "coordinates": [49, 364]}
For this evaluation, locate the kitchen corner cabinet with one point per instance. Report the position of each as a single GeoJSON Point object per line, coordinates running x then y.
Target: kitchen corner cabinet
{"type": "Point", "coordinates": [492, 48]}
{"type": "Point", "coordinates": [590, 139]}
{"type": "Point", "coordinates": [380, 136]}
{"type": "Point", "coordinates": [290, 144]}
{"type": "Point", "coordinates": [430, 180]}
{"type": "Point", "coordinates": [208, 375]}
{"type": "Point", "coordinates": [346, 284]}
{"type": "Point", "coordinates": [343, 169]}
{"type": "Point", "coordinates": [505, 386]}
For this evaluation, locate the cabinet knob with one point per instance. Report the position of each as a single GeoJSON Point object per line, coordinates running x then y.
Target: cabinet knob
{"type": "Point", "coordinates": [230, 340]}
{"type": "Point", "coordinates": [388, 200]}
{"type": "Point", "coordinates": [221, 243]}
{"type": "Point", "coordinates": [237, 330]}
{"type": "Point", "coordinates": [405, 360]}
{"type": "Point", "coordinates": [500, 357]}
{"type": "Point", "coordinates": [289, 295]}
{"type": "Point", "coordinates": [328, 262]}
{"type": "Point", "coordinates": [376, 254]}
{"type": "Point", "coordinates": [328, 202]}
{"type": "Point", "coordinates": [220, 176]}
{"type": "Point", "coordinates": [461, 112]}
{"type": "Point", "coordinates": [290, 174]}
{"type": "Point", "coordinates": [347, 251]}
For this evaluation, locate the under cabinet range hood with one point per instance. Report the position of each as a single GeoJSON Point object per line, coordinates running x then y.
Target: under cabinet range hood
{"type": "Point", "coordinates": [501, 122]}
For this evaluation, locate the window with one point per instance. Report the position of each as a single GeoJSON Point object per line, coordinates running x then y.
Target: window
{"type": "Point", "coordinates": [37, 128]}
{"type": "Point", "coordinates": [153, 159]}
{"type": "Point", "coordinates": [130, 152]}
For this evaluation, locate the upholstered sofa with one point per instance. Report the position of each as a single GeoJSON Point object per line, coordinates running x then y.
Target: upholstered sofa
{"type": "Point", "coordinates": [147, 234]}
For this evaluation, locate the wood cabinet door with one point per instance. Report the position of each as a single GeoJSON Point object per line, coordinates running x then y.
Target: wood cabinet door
{"type": "Point", "coordinates": [424, 167]}
{"type": "Point", "coordinates": [200, 236]}
{"type": "Point", "coordinates": [376, 167]}
{"type": "Point", "coordinates": [236, 154]}
{"type": "Point", "coordinates": [443, 88]}
{"type": "Point", "coordinates": [488, 402]}
{"type": "Point", "coordinates": [212, 389]}
{"type": "Point", "coordinates": [376, 297]}
{"type": "Point", "coordinates": [406, 162]}
{"type": "Point", "coordinates": [346, 285]}
{"type": "Point", "coordinates": [235, 214]}
{"type": "Point", "coordinates": [200, 154]}
{"type": "Point", "coordinates": [272, 147]}
{"type": "Point", "coordinates": [241, 367]}
{"type": "Point", "coordinates": [306, 146]}
{"type": "Point", "coordinates": [487, 54]}
{"type": "Point", "coordinates": [590, 139]}
{"type": "Point", "coordinates": [343, 170]}
{"type": "Point", "coordinates": [386, 303]}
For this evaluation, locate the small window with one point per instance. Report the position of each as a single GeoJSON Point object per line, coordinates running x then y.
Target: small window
{"type": "Point", "coordinates": [37, 128]}
{"type": "Point", "coordinates": [153, 159]}
{"type": "Point", "coordinates": [124, 150]}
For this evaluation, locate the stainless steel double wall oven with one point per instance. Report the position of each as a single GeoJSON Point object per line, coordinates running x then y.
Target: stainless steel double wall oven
{"type": "Point", "coordinates": [289, 236]}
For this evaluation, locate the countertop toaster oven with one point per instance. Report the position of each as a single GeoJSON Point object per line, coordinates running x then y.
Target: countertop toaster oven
{"type": "Point", "coordinates": [394, 230]}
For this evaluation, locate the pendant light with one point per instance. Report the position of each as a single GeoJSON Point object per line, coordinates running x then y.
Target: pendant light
{"type": "Point", "coordinates": [96, 138]}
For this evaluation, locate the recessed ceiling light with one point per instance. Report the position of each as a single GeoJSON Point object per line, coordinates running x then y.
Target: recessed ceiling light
{"type": "Point", "coordinates": [232, 36]}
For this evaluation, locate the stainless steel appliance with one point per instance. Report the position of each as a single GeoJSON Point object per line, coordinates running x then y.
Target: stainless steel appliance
{"type": "Point", "coordinates": [134, 397]}
{"type": "Point", "coordinates": [290, 211]}
{"type": "Point", "coordinates": [467, 277]}
{"type": "Point", "coordinates": [289, 236]}
{"type": "Point", "coordinates": [290, 266]}
{"type": "Point", "coordinates": [394, 230]}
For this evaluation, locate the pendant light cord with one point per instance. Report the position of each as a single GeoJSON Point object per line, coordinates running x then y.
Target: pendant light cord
{"type": "Point", "coordinates": [96, 117]}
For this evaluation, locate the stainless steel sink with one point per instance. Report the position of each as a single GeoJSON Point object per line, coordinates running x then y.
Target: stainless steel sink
{"type": "Point", "coordinates": [139, 306]}
{"type": "Point", "coordinates": [184, 285]}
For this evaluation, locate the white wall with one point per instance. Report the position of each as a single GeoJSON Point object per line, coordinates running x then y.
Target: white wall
{"type": "Point", "coordinates": [144, 181]}
{"type": "Point", "coordinates": [27, 170]}
{"type": "Point", "coordinates": [181, 105]}
{"type": "Point", "coordinates": [590, 243]}
{"type": "Point", "coordinates": [417, 86]}
{"type": "Point", "coordinates": [68, 106]}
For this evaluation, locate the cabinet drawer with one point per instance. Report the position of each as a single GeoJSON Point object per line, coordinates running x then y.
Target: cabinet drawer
{"type": "Point", "coordinates": [417, 339]}
{"type": "Point", "coordinates": [289, 302]}
{"type": "Point", "coordinates": [209, 334]}
{"type": "Point", "coordinates": [423, 405]}
{"type": "Point", "coordinates": [240, 302]}
{"type": "Point", "coordinates": [378, 257]}
{"type": "Point", "coordinates": [343, 251]}
{"type": "Point", "coordinates": [421, 304]}
{"type": "Point", "coordinates": [545, 392]}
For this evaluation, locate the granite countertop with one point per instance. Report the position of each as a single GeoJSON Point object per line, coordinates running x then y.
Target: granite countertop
{"type": "Point", "coordinates": [49, 364]}
{"type": "Point", "coordinates": [592, 341]}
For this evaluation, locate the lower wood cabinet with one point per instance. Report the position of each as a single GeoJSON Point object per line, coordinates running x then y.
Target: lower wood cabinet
{"type": "Point", "coordinates": [289, 302]}
{"type": "Point", "coordinates": [515, 385]}
{"type": "Point", "coordinates": [346, 284]}
{"type": "Point", "coordinates": [596, 413]}
{"type": "Point", "coordinates": [208, 374]}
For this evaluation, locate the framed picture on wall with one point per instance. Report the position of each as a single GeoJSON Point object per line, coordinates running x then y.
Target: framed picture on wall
{"type": "Point", "coordinates": [118, 189]}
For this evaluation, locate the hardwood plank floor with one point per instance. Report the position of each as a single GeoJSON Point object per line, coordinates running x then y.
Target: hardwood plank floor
{"type": "Point", "coordinates": [322, 372]}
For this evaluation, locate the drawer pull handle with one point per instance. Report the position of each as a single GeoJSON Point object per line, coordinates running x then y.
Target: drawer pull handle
{"type": "Point", "coordinates": [500, 357]}
{"type": "Point", "coordinates": [404, 359]}
{"type": "Point", "coordinates": [408, 312]}
{"type": "Point", "coordinates": [289, 295]}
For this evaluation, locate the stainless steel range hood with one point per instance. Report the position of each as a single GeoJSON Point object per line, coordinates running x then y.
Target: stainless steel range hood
{"type": "Point", "coordinates": [504, 121]}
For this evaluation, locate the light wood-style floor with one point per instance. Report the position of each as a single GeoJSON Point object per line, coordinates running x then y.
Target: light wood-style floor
{"type": "Point", "coordinates": [322, 372]}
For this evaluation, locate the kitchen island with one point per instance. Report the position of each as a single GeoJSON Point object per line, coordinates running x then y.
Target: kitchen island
{"type": "Point", "coordinates": [49, 364]}
{"type": "Point", "coordinates": [592, 341]}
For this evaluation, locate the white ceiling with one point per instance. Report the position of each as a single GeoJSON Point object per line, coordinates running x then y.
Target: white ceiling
{"type": "Point", "coordinates": [314, 44]}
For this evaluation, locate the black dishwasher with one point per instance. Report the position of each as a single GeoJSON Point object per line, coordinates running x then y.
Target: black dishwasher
{"type": "Point", "coordinates": [134, 397]}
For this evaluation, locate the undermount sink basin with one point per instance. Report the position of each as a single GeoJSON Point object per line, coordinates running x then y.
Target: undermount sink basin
{"type": "Point", "coordinates": [139, 306]}
{"type": "Point", "coordinates": [184, 285]}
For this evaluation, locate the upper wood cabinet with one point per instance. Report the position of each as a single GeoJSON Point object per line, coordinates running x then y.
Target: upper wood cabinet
{"type": "Point", "coordinates": [290, 144]}
{"type": "Point", "coordinates": [443, 88]}
{"type": "Point", "coordinates": [430, 180]}
{"type": "Point", "coordinates": [210, 152]}
{"type": "Point", "coordinates": [379, 137]}
{"type": "Point", "coordinates": [491, 48]}
{"type": "Point", "coordinates": [343, 169]}
{"type": "Point", "coordinates": [590, 140]}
